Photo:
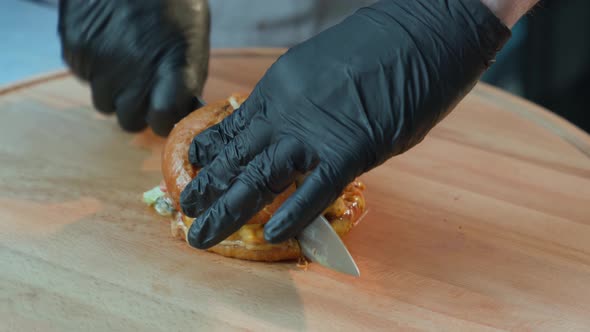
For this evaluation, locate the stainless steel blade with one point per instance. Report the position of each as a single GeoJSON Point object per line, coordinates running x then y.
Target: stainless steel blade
{"type": "Point", "coordinates": [321, 244]}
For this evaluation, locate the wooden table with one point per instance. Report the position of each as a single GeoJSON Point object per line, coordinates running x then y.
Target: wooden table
{"type": "Point", "coordinates": [483, 226]}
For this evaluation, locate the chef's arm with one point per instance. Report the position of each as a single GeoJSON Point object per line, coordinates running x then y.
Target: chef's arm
{"type": "Point", "coordinates": [510, 11]}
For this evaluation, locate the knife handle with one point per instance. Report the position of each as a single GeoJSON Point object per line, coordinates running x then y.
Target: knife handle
{"type": "Point", "coordinates": [197, 102]}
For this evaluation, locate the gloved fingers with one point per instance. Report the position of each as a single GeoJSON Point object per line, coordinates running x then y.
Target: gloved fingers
{"type": "Point", "coordinates": [319, 189]}
{"type": "Point", "coordinates": [216, 177]}
{"type": "Point", "coordinates": [207, 145]}
{"type": "Point", "coordinates": [170, 101]}
{"type": "Point", "coordinates": [131, 107]}
{"type": "Point", "coordinates": [270, 173]}
{"type": "Point", "coordinates": [79, 22]}
{"type": "Point", "coordinates": [72, 22]}
{"type": "Point", "coordinates": [102, 94]}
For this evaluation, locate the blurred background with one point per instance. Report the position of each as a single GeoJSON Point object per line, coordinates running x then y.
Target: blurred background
{"type": "Point", "coordinates": [547, 61]}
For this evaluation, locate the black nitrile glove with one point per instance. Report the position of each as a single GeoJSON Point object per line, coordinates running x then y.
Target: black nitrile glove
{"type": "Point", "coordinates": [145, 60]}
{"type": "Point", "coordinates": [337, 106]}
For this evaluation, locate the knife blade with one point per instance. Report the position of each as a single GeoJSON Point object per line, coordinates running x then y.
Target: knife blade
{"type": "Point", "coordinates": [322, 245]}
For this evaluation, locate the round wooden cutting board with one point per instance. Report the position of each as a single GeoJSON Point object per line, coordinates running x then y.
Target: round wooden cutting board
{"type": "Point", "coordinates": [485, 225]}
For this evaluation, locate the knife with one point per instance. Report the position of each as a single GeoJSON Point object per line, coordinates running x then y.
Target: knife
{"type": "Point", "coordinates": [322, 245]}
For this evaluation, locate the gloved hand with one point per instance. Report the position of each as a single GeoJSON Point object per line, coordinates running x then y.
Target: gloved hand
{"type": "Point", "coordinates": [144, 60]}
{"type": "Point", "coordinates": [336, 106]}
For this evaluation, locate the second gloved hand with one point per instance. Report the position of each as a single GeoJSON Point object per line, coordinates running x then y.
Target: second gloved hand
{"type": "Point", "coordinates": [334, 107]}
{"type": "Point", "coordinates": [144, 60]}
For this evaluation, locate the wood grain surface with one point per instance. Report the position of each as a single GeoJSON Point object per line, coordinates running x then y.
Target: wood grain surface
{"type": "Point", "coordinates": [483, 226]}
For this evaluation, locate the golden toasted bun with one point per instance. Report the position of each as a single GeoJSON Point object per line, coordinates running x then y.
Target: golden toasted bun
{"type": "Point", "coordinates": [247, 243]}
{"type": "Point", "coordinates": [285, 251]}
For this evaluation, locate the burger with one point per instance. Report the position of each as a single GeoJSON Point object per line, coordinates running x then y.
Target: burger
{"type": "Point", "coordinates": [248, 242]}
